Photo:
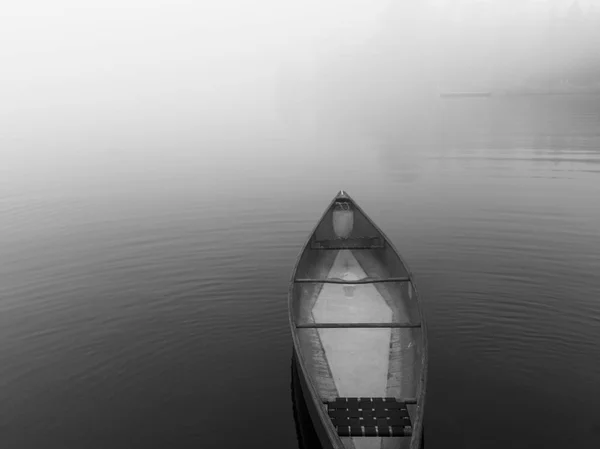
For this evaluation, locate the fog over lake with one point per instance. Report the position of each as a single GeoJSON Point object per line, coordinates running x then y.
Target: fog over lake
{"type": "Point", "coordinates": [163, 162]}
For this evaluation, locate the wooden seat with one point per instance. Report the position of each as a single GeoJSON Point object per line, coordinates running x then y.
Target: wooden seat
{"type": "Point", "coordinates": [370, 417]}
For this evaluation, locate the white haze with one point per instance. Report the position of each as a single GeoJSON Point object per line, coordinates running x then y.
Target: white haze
{"type": "Point", "coordinates": [89, 80]}
{"type": "Point", "coordinates": [85, 78]}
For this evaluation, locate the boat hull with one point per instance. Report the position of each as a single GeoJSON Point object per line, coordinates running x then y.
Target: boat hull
{"type": "Point", "coordinates": [358, 332]}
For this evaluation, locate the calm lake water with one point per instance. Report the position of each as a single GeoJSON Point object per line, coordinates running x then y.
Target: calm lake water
{"type": "Point", "coordinates": [143, 276]}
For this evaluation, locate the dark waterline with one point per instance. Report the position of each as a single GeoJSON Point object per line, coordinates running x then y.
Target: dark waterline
{"type": "Point", "coordinates": [143, 297]}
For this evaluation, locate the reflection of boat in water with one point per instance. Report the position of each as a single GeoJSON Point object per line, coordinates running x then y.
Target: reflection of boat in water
{"type": "Point", "coordinates": [305, 431]}
{"type": "Point", "coordinates": [359, 337]}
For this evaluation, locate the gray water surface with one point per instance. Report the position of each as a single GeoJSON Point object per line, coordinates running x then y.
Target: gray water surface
{"type": "Point", "coordinates": [143, 279]}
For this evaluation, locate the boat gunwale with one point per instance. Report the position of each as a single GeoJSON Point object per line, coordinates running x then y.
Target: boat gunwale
{"type": "Point", "coordinates": [417, 435]}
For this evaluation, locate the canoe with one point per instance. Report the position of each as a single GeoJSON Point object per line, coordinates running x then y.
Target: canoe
{"type": "Point", "coordinates": [359, 336]}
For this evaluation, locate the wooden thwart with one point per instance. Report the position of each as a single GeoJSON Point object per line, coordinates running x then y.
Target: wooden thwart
{"type": "Point", "coordinates": [339, 248]}
{"type": "Point", "coordinates": [344, 281]}
{"type": "Point", "coordinates": [352, 243]}
{"type": "Point", "coordinates": [355, 325]}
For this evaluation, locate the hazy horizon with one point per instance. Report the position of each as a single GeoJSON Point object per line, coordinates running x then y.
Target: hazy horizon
{"type": "Point", "coordinates": [106, 74]}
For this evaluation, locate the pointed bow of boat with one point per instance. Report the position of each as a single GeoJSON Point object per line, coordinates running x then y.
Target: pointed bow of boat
{"type": "Point", "coordinates": [342, 195]}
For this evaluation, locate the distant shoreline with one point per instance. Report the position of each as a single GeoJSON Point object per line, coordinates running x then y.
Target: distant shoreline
{"type": "Point", "coordinates": [550, 93]}
{"type": "Point", "coordinates": [515, 93]}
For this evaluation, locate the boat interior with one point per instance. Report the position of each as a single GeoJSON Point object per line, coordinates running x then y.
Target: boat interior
{"type": "Point", "coordinates": [357, 318]}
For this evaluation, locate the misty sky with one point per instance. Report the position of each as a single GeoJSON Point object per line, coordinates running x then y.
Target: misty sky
{"type": "Point", "coordinates": [79, 56]}
{"type": "Point", "coordinates": [116, 71]}
{"type": "Point", "coordinates": [66, 53]}
{"type": "Point", "coordinates": [90, 85]}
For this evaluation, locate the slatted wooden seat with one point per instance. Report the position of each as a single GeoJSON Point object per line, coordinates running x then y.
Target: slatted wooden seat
{"type": "Point", "coordinates": [370, 417]}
